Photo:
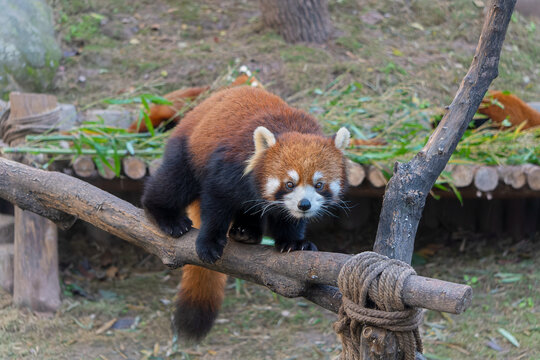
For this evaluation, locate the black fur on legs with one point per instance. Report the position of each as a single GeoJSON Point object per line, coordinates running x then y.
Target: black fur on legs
{"type": "Point", "coordinates": [171, 189]}
{"type": "Point", "coordinates": [191, 321]}
{"type": "Point", "coordinates": [225, 192]}
{"type": "Point", "coordinates": [246, 228]}
{"type": "Point", "coordinates": [289, 235]}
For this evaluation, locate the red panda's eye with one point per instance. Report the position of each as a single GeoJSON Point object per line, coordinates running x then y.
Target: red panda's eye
{"type": "Point", "coordinates": [289, 185]}
{"type": "Point", "coordinates": [319, 185]}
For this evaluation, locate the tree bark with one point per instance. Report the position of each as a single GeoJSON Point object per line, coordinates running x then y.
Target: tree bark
{"type": "Point", "coordinates": [407, 190]}
{"type": "Point", "coordinates": [301, 273]}
{"type": "Point", "coordinates": [298, 20]}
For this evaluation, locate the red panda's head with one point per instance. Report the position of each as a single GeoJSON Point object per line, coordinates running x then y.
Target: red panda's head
{"type": "Point", "coordinates": [303, 174]}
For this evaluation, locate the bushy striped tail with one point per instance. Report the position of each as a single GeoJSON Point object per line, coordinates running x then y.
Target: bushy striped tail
{"type": "Point", "coordinates": [199, 300]}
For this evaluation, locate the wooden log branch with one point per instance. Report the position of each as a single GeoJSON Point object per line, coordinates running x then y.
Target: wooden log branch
{"type": "Point", "coordinates": [407, 190]}
{"type": "Point", "coordinates": [309, 274]}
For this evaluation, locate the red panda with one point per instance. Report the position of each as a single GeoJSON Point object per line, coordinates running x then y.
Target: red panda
{"type": "Point", "coordinates": [510, 107]}
{"type": "Point", "coordinates": [248, 164]}
{"type": "Point", "coordinates": [161, 113]}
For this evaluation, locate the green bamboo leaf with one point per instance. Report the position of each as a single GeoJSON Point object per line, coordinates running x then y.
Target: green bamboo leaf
{"type": "Point", "coordinates": [456, 192]}
{"type": "Point", "coordinates": [129, 147]}
{"type": "Point", "coordinates": [154, 99]}
{"type": "Point", "coordinates": [148, 122]}
{"type": "Point", "coordinates": [145, 103]}
{"type": "Point", "coordinates": [508, 336]}
{"type": "Point", "coordinates": [120, 101]}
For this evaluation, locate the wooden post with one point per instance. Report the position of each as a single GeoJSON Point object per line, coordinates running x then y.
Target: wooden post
{"type": "Point", "coordinates": [35, 276]}
{"type": "Point", "coordinates": [6, 252]}
{"type": "Point", "coordinates": [411, 182]}
{"type": "Point", "coordinates": [36, 282]}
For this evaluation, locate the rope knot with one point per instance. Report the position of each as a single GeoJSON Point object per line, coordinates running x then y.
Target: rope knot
{"type": "Point", "coordinates": [371, 285]}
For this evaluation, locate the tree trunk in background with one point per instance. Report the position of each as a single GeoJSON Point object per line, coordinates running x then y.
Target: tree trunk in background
{"type": "Point", "coordinates": [298, 20]}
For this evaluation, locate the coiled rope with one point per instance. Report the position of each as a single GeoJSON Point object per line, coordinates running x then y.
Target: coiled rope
{"type": "Point", "coordinates": [380, 278]}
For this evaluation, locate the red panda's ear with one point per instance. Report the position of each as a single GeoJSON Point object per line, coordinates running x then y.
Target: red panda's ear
{"type": "Point", "coordinates": [342, 138]}
{"type": "Point", "coordinates": [263, 139]}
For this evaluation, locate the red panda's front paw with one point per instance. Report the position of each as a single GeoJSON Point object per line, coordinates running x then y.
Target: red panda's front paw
{"type": "Point", "coordinates": [210, 251]}
{"type": "Point", "coordinates": [296, 245]}
{"type": "Point", "coordinates": [175, 227]}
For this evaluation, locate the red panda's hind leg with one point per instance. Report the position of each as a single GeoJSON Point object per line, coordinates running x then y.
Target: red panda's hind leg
{"type": "Point", "coordinates": [173, 187]}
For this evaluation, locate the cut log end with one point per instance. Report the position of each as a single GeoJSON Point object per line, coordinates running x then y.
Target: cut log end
{"type": "Point", "coordinates": [533, 176]}
{"type": "Point", "coordinates": [513, 176]}
{"type": "Point", "coordinates": [84, 166]}
{"type": "Point", "coordinates": [355, 173]}
{"type": "Point", "coordinates": [376, 177]}
{"type": "Point", "coordinates": [486, 178]}
{"type": "Point", "coordinates": [462, 175]}
{"type": "Point", "coordinates": [134, 168]}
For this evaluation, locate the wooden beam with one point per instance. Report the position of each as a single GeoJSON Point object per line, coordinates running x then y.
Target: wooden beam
{"type": "Point", "coordinates": [293, 274]}
{"type": "Point", "coordinates": [35, 282]}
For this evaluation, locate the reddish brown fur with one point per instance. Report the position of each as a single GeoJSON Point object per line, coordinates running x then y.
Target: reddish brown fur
{"type": "Point", "coordinates": [230, 117]}
{"type": "Point", "coordinates": [326, 159]}
{"type": "Point", "coordinates": [515, 110]}
{"type": "Point", "coordinates": [161, 113]}
{"type": "Point", "coordinates": [200, 287]}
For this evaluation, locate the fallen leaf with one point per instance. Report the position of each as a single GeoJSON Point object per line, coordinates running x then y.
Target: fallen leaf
{"type": "Point", "coordinates": [417, 26]}
{"type": "Point", "coordinates": [492, 343]}
{"type": "Point", "coordinates": [508, 336]}
{"type": "Point", "coordinates": [105, 326]}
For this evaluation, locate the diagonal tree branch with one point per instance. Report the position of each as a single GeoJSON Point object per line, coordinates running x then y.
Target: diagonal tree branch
{"type": "Point", "coordinates": [407, 190]}
{"type": "Point", "coordinates": [309, 274]}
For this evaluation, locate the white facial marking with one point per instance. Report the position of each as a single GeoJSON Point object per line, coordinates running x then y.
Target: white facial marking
{"type": "Point", "coordinates": [294, 175]}
{"type": "Point", "coordinates": [292, 199]}
{"type": "Point", "coordinates": [317, 176]}
{"type": "Point", "coordinates": [335, 187]}
{"type": "Point", "coordinates": [271, 186]}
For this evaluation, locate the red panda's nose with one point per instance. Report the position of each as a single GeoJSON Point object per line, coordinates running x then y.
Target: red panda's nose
{"type": "Point", "coordinates": [304, 204]}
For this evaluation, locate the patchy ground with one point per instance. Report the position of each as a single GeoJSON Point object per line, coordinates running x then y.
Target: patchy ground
{"type": "Point", "coordinates": [119, 48]}
{"type": "Point", "coordinates": [258, 324]}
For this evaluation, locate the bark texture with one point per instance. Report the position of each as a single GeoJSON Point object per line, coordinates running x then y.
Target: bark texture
{"type": "Point", "coordinates": [298, 20]}
{"type": "Point", "coordinates": [302, 273]}
{"type": "Point", "coordinates": [407, 190]}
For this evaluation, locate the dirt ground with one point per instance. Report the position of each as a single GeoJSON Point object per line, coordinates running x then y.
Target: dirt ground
{"type": "Point", "coordinates": [117, 299]}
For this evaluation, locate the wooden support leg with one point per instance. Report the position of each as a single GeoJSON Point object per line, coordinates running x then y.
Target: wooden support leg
{"type": "Point", "coordinates": [6, 252]}
{"type": "Point", "coordinates": [36, 282]}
